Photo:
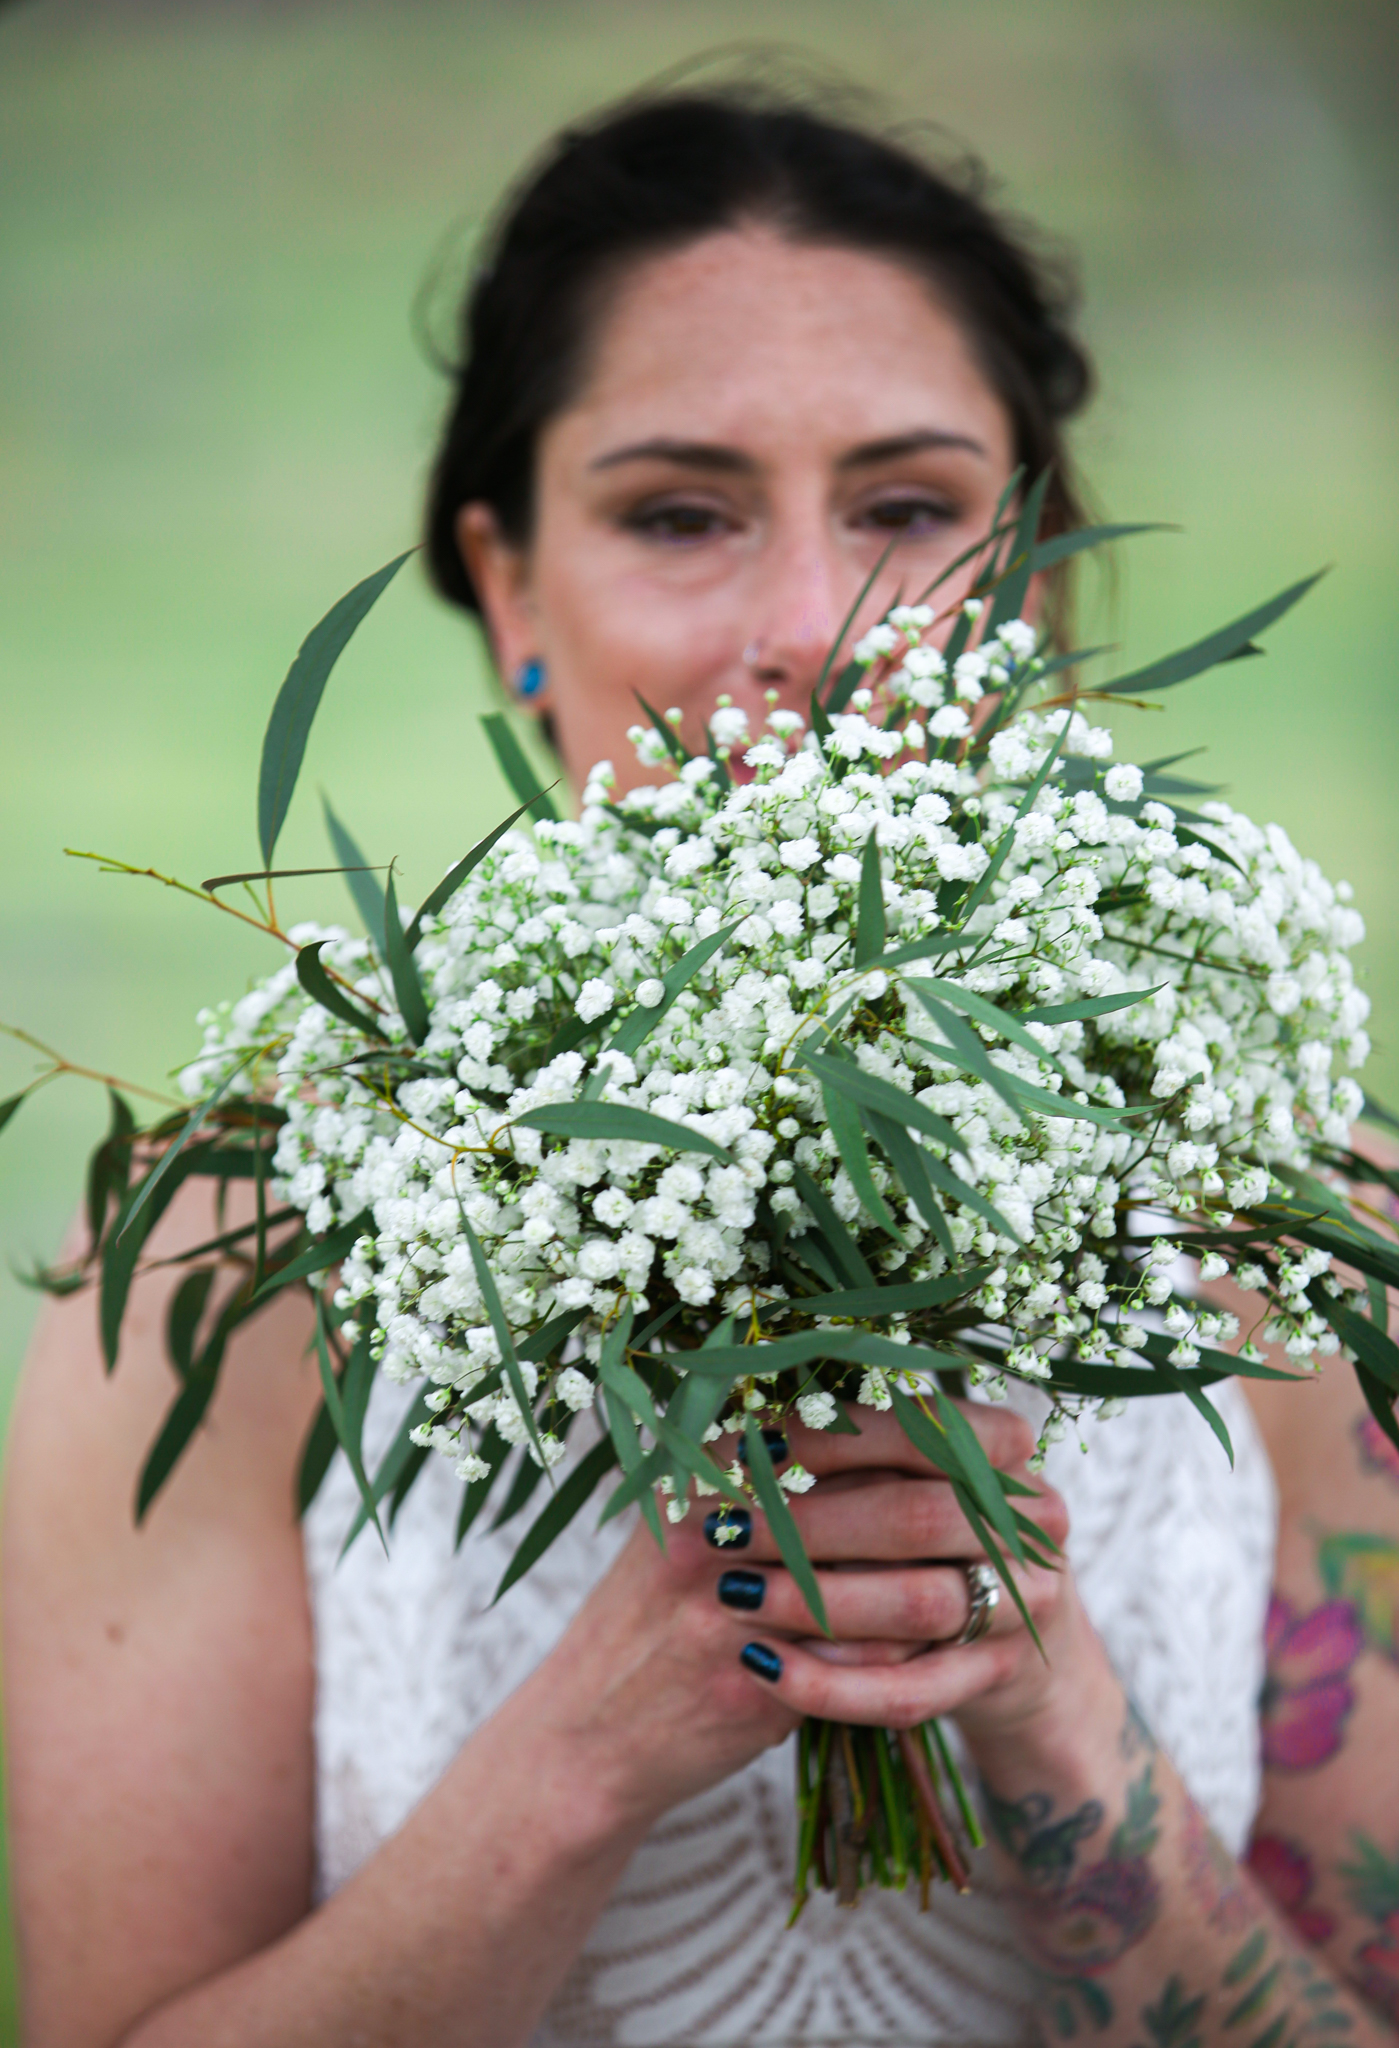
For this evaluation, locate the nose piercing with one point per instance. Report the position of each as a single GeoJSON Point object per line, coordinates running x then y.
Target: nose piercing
{"type": "Point", "coordinates": [530, 679]}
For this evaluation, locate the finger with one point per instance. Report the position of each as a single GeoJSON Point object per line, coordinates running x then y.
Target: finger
{"type": "Point", "coordinates": [882, 1695]}
{"type": "Point", "coordinates": [925, 1605]}
{"type": "Point", "coordinates": [1006, 1438]}
{"type": "Point", "coordinates": [893, 1520]}
{"type": "Point", "coordinates": [922, 1606]}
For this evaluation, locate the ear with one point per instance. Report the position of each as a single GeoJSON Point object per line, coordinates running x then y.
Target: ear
{"type": "Point", "coordinates": [499, 571]}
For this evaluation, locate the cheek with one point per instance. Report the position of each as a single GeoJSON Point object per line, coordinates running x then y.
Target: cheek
{"type": "Point", "coordinates": [609, 638]}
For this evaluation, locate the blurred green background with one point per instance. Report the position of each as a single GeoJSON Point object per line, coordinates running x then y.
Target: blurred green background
{"type": "Point", "coordinates": [214, 417]}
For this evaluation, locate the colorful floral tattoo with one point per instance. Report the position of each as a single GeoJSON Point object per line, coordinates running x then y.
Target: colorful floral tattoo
{"type": "Point", "coordinates": [1372, 1886]}
{"type": "Point", "coordinates": [1080, 1920]}
{"type": "Point", "coordinates": [1362, 1570]}
{"type": "Point", "coordinates": [1263, 1999]}
{"type": "Point", "coordinates": [1307, 1694]}
{"type": "Point", "coordinates": [1377, 1453]}
{"type": "Point", "coordinates": [1226, 1901]}
{"type": "Point", "coordinates": [1284, 1870]}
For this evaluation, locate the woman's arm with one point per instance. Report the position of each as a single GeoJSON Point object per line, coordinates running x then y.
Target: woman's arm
{"type": "Point", "coordinates": [1142, 1929]}
{"type": "Point", "coordinates": [159, 1696]}
{"type": "Point", "coordinates": [159, 1690]}
{"type": "Point", "coordinates": [1326, 1843]}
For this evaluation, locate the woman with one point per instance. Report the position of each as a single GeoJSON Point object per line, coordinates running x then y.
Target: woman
{"type": "Point", "coordinates": [722, 355]}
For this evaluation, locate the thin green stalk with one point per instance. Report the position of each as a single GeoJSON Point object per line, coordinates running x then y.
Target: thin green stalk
{"type": "Point", "coordinates": [893, 1816]}
{"type": "Point", "coordinates": [968, 1812]}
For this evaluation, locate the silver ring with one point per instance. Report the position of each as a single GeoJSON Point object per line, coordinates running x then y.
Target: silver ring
{"type": "Point", "coordinates": [984, 1593]}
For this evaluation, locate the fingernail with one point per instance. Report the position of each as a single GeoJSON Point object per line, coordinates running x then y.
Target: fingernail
{"type": "Point", "coordinates": [763, 1662]}
{"type": "Point", "coordinates": [742, 1589]}
{"type": "Point", "coordinates": [775, 1441]}
{"type": "Point", "coordinates": [728, 1528]}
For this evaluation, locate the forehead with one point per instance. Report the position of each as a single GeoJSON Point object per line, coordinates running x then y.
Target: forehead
{"type": "Point", "coordinates": [753, 340]}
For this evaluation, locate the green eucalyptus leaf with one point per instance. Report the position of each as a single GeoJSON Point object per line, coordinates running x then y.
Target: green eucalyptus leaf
{"type": "Point", "coordinates": [781, 1354]}
{"type": "Point", "coordinates": [665, 733]}
{"type": "Point", "coordinates": [905, 1155]}
{"type": "Point", "coordinates": [346, 1421]}
{"type": "Point", "coordinates": [555, 1517]}
{"type": "Point", "coordinates": [867, 1089]}
{"type": "Point", "coordinates": [490, 1295]}
{"type": "Point", "coordinates": [317, 1452]}
{"type": "Point", "coordinates": [894, 1298]}
{"type": "Point", "coordinates": [617, 1122]}
{"type": "Point", "coordinates": [787, 1536]}
{"type": "Point", "coordinates": [1006, 841]}
{"type": "Point", "coordinates": [1379, 1399]}
{"type": "Point", "coordinates": [181, 1421]}
{"type": "Point", "coordinates": [109, 1169]}
{"type": "Point", "coordinates": [368, 894]}
{"type": "Point", "coordinates": [455, 876]}
{"type": "Point", "coordinates": [324, 1253]}
{"type": "Point", "coordinates": [123, 1248]}
{"type": "Point", "coordinates": [635, 1028]}
{"type": "Point", "coordinates": [189, 1408]}
{"type": "Point", "coordinates": [298, 700]}
{"type": "Point", "coordinates": [640, 1482]}
{"type": "Point", "coordinates": [841, 1245]}
{"type": "Point", "coordinates": [985, 1012]}
{"type": "Point", "coordinates": [925, 949]}
{"type": "Point", "coordinates": [408, 990]}
{"type": "Point", "coordinates": [194, 1123]}
{"type": "Point", "coordinates": [1376, 1351]}
{"type": "Point", "coordinates": [1046, 554]}
{"type": "Point", "coordinates": [1089, 1006]}
{"type": "Point", "coordinates": [10, 1105]}
{"type": "Point", "coordinates": [544, 1341]}
{"type": "Point", "coordinates": [869, 922]}
{"type": "Point", "coordinates": [1228, 642]}
{"type": "Point", "coordinates": [844, 687]}
{"type": "Point", "coordinates": [970, 1198]}
{"type": "Point", "coordinates": [392, 1466]}
{"type": "Point", "coordinates": [186, 1307]}
{"type": "Point", "coordinates": [321, 989]}
{"type": "Point", "coordinates": [848, 621]}
{"type": "Point", "coordinates": [843, 1119]}
{"type": "Point", "coordinates": [1013, 586]}
{"type": "Point", "coordinates": [493, 1450]}
{"type": "Point", "coordinates": [515, 768]}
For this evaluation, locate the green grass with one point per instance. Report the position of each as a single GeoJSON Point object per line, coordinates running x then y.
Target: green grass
{"type": "Point", "coordinates": [215, 419]}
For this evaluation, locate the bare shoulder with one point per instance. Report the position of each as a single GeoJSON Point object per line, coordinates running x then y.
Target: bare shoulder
{"type": "Point", "coordinates": [158, 1680]}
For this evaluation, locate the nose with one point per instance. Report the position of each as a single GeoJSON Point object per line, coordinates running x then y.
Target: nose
{"type": "Point", "coordinates": [796, 617]}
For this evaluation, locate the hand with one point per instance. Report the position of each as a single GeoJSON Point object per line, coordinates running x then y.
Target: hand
{"type": "Point", "coordinates": [898, 1596]}
{"type": "Point", "coordinates": [648, 1687]}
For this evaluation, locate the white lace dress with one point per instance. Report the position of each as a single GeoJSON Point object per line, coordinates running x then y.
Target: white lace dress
{"type": "Point", "coordinates": [1173, 1553]}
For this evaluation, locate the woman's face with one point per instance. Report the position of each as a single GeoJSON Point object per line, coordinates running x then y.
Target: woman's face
{"type": "Point", "coordinates": [758, 421]}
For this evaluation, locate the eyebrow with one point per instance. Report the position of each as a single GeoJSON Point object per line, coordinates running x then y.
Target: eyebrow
{"type": "Point", "coordinates": [714, 458]}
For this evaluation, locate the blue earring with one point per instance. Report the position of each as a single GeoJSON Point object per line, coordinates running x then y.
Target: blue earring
{"type": "Point", "coordinates": [531, 680]}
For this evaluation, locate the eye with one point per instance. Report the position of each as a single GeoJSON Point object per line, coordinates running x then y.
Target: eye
{"type": "Point", "coordinates": [677, 520]}
{"type": "Point", "coordinates": [912, 514]}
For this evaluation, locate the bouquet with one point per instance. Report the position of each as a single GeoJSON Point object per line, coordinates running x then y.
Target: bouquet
{"type": "Point", "coordinates": [877, 1055]}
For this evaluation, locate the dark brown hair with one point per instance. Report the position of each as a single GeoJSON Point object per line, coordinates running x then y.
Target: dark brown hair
{"type": "Point", "coordinates": [671, 166]}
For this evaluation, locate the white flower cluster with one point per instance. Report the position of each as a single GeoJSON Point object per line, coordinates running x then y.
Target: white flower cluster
{"type": "Point", "coordinates": [997, 900]}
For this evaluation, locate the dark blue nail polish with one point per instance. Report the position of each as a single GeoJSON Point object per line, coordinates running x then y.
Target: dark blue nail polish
{"type": "Point", "coordinates": [742, 1589]}
{"type": "Point", "coordinates": [775, 1441]}
{"type": "Point", "coordinates": [762, 1661]}
{"type": "Point", "coordinates": [728, 1528]}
